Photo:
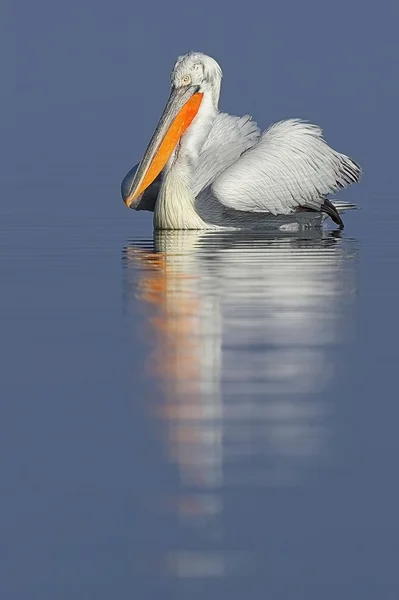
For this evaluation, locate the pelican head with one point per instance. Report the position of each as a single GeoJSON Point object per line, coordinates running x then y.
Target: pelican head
{"type": "Point", "coordinates": [196, 80]}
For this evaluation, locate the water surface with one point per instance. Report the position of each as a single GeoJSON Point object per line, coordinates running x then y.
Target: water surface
{"type": "Point", "coordinates": [198, 413]}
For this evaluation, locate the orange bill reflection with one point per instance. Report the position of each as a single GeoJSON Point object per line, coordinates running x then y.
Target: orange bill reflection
{"type": "Point", "coordinates": [243, 334]}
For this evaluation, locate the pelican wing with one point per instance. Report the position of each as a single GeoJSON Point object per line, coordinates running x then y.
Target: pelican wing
{"type": "Point", "coordinates": [291, 166]}
{"type": "Point", "coordinates": [228, 139]}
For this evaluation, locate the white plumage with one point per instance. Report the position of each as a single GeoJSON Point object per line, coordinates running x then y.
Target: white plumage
{"type": "Point", "coordinates": [294, 167]}
{"type": "Point", "coordinates": [224, 173]}
{"type": "Point", "coordinates": [227, 140]}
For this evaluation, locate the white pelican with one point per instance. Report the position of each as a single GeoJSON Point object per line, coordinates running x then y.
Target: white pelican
{"type": "Point", "coordinates": [204, 169]}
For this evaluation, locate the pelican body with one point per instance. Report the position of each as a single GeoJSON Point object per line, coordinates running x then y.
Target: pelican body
{"type": "Point", "coordinates": [204, 169]}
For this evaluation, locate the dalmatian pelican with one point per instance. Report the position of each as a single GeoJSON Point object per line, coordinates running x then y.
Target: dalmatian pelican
{"type": "Point", "coordinates": [205, 169]}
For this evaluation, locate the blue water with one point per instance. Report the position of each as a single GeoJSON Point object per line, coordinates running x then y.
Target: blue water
{"type": "Point", "coordinates": [194, 415]}
{"type": "Point", "coordinates": [199, 413]}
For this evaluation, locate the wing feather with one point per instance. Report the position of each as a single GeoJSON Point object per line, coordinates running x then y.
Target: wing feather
{"type": "Point", "coordinates": [290, 166]}
{"type": "Point", "coordinates": [228, 139]}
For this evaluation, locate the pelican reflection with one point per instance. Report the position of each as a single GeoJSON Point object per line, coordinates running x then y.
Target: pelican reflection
{"type": "Point", "coordinates": [243, 334]}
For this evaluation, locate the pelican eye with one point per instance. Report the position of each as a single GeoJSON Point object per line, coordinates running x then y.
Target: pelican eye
{"type": "Point", "coordinates": [186, 80]}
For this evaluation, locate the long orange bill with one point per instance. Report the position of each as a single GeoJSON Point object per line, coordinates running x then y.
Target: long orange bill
{"type": "Point", "coordinates": [180, 110]}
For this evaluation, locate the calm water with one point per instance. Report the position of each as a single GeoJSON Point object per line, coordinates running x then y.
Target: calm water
{"type": "Point", "coordinates": [198, 414]}
{"type": "Point", "coordinates": [194, 416]}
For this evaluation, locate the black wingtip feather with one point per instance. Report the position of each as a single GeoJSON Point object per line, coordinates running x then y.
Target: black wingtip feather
{"type": "Point", "coordinates": [329, 208]}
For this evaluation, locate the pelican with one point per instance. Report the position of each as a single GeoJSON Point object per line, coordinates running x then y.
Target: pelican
{"type": "Point", "coordinates": [205, 169]}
